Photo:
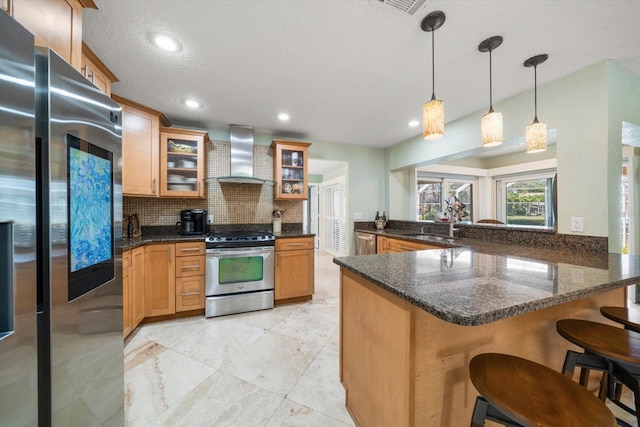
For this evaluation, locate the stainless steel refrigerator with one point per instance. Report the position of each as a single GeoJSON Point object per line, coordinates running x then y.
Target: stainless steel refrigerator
{"type": "Point", "coordinates": [61, 348]}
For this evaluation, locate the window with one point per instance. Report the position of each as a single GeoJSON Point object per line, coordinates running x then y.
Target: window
{"type": "Point", "coordinates": [431, 197]}
{"type": "Point", "coordinates": [526, 200]}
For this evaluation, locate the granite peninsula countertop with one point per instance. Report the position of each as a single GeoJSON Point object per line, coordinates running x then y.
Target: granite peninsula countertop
{"type": "Point", "coordinates": [474, 282]}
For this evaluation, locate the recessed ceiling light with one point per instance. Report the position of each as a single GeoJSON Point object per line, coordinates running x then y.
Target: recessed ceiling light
{"type": "Point", "coordinates": [166, 42]}
{"type": "Point", "coordinates": [192, 103]}
{"type": "Point", "coordinates": [414, 123]}
{"type": "Point", "coordinates": [283, 117]}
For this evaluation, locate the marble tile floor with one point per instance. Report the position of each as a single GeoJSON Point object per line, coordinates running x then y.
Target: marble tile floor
{"type": "Point", "coordinates": [268, 368]}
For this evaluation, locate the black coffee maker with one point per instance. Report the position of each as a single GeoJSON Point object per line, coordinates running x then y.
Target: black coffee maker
{"type": "Point", "coordinates": [192, 221]}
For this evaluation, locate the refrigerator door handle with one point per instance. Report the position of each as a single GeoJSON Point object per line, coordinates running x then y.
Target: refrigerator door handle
{"type": "Point", "coordinates": [6, 279]}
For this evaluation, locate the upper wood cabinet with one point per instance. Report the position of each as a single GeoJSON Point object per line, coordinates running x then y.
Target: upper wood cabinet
{"type": "Point", "coordinates": [56, 24]}
{"type": "Point", "coordinates": [95, 71]}
{"type": "Point", "coordinates": [290, 169]}
{"type": "Point", "coordinates": [140, 148]}
{"type": "Point", "coordinates": [182, 162]}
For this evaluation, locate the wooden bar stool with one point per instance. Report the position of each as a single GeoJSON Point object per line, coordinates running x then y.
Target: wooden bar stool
{"type": "Point", "coordinates": [518, 392]}
{"type": "Point", "coordinates": [628, 317]}
{"type": "Point", "coordinates": [614, 351]}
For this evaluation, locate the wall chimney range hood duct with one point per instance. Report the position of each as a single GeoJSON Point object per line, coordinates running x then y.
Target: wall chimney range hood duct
{"type": "Point", "coordinates": [242, 168]}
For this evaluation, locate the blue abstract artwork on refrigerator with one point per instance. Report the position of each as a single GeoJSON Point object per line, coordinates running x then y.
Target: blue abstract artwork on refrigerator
{"type": "Point", "coordinates": [90, 209]}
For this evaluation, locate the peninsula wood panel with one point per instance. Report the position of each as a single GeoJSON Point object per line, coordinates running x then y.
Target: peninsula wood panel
{"type": "Point", "coordinates": [436, 384]}
{"type": "Point", "coordinates": [375, 355]}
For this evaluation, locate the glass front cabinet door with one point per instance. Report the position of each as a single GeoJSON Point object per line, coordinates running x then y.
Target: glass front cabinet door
{"type": "Point", "coordinates": [290, 170]}
{"type": "Point", "coordinates": [182, 162]}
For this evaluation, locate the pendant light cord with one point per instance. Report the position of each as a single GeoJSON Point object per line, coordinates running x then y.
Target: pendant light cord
{"type": "Point", "coordinates": [490, 85]}
{"type": "Point", "coordinates": [433, 66]}
{"type": "Point", "coordinates": [535, 93]}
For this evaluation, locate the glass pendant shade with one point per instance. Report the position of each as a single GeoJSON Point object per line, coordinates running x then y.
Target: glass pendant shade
{"type": "Point", "coordinates": [433, 119]}
{"type": "Point", "coordinates": [491, 129]}
{"type": "Point", "coordinates": [536, 137]}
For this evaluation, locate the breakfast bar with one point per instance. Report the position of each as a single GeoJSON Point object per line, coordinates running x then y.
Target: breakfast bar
{"type": "Point", "coordinates": [412, 321]}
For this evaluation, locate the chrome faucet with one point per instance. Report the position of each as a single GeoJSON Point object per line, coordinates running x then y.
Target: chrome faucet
{"type": "Point", "coordinates": [451, 229]}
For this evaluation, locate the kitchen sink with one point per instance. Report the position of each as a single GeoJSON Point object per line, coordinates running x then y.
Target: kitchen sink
{"type": "Point", "coordinates": [430, 237]}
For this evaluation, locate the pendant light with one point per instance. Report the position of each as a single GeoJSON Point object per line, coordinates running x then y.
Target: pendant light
{"type": "Point", "coordinates": [536, 134]}
{"type": "Point", "coordinates": [491, 128]}
{"type": "Point", "coordinates": [433, 111]}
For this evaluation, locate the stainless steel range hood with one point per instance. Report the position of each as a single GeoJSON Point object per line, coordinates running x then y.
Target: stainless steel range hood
{"type": "Point", "coordinates": [242, 167]}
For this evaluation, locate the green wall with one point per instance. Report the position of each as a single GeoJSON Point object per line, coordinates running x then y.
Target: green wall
{"type": "Point", "coordinates": [586, 109]}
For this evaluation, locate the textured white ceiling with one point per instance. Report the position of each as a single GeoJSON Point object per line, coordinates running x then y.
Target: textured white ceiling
{"type": "Point", "coordinates": [347, 71]}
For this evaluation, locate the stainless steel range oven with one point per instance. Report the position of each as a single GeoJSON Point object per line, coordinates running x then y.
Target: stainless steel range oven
{"type": "Point", "coordinates": [240, 272]}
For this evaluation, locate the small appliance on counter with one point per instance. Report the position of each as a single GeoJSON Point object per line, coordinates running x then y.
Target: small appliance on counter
{"type": "Point", "coordinates": [192, 221]}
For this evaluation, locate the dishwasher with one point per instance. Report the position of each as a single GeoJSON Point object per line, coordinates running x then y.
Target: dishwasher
{"type": "Point", "coordinates": [365, 243]}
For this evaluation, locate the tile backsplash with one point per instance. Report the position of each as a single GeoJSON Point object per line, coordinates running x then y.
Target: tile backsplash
{"type": "Point", "coordinates": [228, 203]}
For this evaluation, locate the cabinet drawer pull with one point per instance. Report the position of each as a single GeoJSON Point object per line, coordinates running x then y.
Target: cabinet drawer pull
{"type": "Point", "coordinates": [191, 267]}
{"type": "Point", "coordinates": [188, 294]}
{"type": "Point", "coordinates": [190, 250]}
{"type": "Point", "coordinates": [295, 244]}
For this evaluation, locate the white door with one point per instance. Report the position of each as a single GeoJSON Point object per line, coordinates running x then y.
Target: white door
{"type": "Point", "coordinates": [333, 216]}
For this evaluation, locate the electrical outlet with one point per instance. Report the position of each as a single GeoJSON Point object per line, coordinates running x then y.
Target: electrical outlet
{"type": "Point", "coordinates": [357, 215]}
{"type": "Point", "coordinates": [577, 224]}
{"type": "Point", "coordinates": [577, 275]}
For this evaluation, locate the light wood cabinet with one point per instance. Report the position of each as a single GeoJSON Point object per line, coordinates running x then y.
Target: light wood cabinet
{"type": "Point", "coordinates": [137, 286]}
{"type": "Point", "coordinates": [388, 245]}
{"type": "Point", "coordinates": [140, 148]}
{"type": "Point", "coordinates": [290, 160]}
{"type": "Point", "coordinates": [56, 24]}
{"type": "Point", "coordinates": [159, 280]}
{"type": "Point", "coordinates": [182, 162]}
{"type": "Point", "coordinates": [294, 271]}
{"type": "Point", "coordinates": [375, 354]}
{"type": "Point", "coordinates": [126, 293]}
{"type": "Point", "coordinates": [94, 70]}
{"type": "Point", "coordinates": [190, 276]}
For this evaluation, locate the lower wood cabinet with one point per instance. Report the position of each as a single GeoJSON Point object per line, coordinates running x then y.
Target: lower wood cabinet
{"type": "Point", "coordinates": [137, 286]}
{"type": "Point", "coordinates": [388, 245]}
{"type": "Point", "coordinates": [159, 279]}
{"type": "Point", "coordinates": [190, 271]}
{"type": "Point", "coordinates": [126, 293]}
{"type": "Point", "coordinates": [294, 272]}
{"type": "Point", "coordinates": [132, 289]}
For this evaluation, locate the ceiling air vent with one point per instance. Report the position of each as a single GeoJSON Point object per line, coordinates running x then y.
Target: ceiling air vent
{"type": "Point", "coordinates": [406, 6]}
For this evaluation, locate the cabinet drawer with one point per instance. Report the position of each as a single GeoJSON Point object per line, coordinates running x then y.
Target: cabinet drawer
{"type": "Point", "coordinates": [394, 245]}
{"type": "Point", "coordinates": [190, 266]}
{"type": "Point", "coordinates": [189, 293]}
{"type": "Point", "coordinates": [190, 249]}
{"type": "Point", "coordinates": [126, 259]}
{"type": "Point", "coordinates": [295, 243]}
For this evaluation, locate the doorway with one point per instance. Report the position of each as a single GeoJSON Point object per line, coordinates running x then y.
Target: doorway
{"type": "Point", "coordinates": [333, 216]}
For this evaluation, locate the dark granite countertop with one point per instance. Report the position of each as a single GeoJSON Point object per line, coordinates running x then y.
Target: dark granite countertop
{"type": "Point", "coordinates": [164, 237]}
{"type": "Point", "coordinates": [475, 282]}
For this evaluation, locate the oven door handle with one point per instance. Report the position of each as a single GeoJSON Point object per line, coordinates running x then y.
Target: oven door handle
{"type": "Point", "coordinates": [240, 252]}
